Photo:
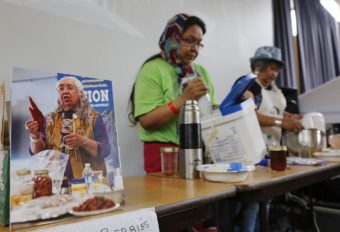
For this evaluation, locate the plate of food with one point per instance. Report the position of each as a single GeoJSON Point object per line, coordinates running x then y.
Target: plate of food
{"type": "Point", "coordinates": [94, 205]}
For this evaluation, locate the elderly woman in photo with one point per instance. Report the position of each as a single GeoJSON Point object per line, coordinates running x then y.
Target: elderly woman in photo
{"type": "Point", "coordinates": [73, 128]}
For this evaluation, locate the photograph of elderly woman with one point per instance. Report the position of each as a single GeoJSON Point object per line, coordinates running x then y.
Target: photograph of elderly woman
{"type": "Point", "coordinates": [64, 146]}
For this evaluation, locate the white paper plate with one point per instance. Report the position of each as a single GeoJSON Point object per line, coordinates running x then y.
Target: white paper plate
{"type": "Point", "coordinates": [327, 153]}
{"type": "Point", "coordinates": [94, 212]}
{"type": "Point", "coordinates": [304, 161]}
{"type": "Point", "coordinates": [220, 173]}
{"type": "Point", "coordinates": [43, 208]}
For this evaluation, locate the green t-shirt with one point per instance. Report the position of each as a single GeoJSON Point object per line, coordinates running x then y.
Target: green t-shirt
{"type": "Point", "coordinates": [156, 85]}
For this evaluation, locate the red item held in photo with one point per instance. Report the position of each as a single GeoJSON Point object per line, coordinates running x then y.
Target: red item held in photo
{"type": "Point", "coordinates": [36, 114]}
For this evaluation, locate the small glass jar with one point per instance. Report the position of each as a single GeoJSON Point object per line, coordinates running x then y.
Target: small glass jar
{"type": "Point", "coordinates": [169, 161]}
{"type": "Point", "coordinates": [23, 176]}
{"type": "Point", "coordinates": [42, 184]}
{"type": "Point", "coordinates": [21, 187]}
{"type": "Point", "coordinates": [278, 157]}
{"type": "Point", "coordinates": [77, 187]}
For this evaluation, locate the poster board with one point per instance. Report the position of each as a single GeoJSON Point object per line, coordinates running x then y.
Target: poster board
{"type": "Point", "coordinates": [92, 139]}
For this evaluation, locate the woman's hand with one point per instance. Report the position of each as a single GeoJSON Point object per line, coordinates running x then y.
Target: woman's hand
{"type": "Point", "coordinates": [162, 115]}
{"type": "Point", "coordinates": [294, 116]}
{"type": "Point", "coordinates": [195, 89]}
{"type": "Point", "coordinates": [36, 142]}
{"type": "Point", "coordinates": [292, 121]}
{"type": "Point", "coordinates": [292, 124]}
{"type": "Point", "coordinates": [74, 140]}
{"type": "Point", "coordinates": [33, 128]}
{"type": "Point", "coordinates": [77, 141]}
{"type": "Point", "coordinates": [297, 116]}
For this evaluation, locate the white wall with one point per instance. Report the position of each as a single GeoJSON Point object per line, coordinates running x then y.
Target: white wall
{"type": "Point", "coordinates": [37, 40]}
{"type": "Point", "coordinates": [323, 99]}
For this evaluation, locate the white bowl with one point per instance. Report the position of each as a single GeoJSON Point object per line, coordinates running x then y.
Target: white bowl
{"type": "Point", "coordinates": [220, 173]}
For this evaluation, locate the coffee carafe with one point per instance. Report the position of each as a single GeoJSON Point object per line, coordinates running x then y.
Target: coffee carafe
{"type": "Point", "coordinates": [190, 140]}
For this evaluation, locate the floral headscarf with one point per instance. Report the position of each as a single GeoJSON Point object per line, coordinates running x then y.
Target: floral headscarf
{"type": "Point", "coordinates": [169, 43]}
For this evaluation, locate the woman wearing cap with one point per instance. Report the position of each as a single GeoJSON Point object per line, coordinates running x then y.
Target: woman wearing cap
{"type": "Point", "coordinates": [269, 100]}
{"type": "Point", "coordinates": [270, 110]}
{"type": "Point", "coordinates": [156, 98]}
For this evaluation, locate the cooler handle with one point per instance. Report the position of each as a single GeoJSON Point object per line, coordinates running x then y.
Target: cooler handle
{"type": "Point", "coordinates": [242, 85]}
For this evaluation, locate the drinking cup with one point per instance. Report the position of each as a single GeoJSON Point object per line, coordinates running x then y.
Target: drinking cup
{"type": "Point", "coordinates": [169, 160]}
{"type": "Point", "coordinates": [278, 158]}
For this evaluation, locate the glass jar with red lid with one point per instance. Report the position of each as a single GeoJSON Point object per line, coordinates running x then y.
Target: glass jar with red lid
{"type": "Point", "coordinates": [42, 184]}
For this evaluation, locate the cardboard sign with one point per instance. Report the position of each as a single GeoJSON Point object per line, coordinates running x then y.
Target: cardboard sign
{"type": "Point", "coordinates": [144, 220]}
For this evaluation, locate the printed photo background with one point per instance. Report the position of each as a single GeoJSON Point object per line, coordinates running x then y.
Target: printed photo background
{"type": "Point", "coordinates": [41, 86]}
{"type": "Point", "coordinates": [100, 95]}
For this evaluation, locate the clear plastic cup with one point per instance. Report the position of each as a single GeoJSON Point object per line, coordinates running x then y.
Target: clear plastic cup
{"type": "Point", "coordinates": [169, 161]}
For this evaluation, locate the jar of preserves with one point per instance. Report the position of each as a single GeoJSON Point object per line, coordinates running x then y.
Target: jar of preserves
{"type": "Point", "coordinates": [42, 184]}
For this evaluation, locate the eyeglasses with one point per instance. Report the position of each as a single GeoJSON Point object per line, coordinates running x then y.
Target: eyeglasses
{"type": "Point", "coordinates": [193, 42]}
{"type": "Point", "coordinates": [69, 88]}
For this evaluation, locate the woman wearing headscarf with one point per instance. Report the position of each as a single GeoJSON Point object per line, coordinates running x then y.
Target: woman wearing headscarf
{"type": "Point", "coordinates": [156, 98]}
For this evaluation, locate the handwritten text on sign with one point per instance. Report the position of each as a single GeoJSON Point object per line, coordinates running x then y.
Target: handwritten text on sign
{"type": "Point", "coordinates": [144, 220]}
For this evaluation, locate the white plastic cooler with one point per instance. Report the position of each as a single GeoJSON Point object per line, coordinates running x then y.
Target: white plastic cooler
{"type": "Point", "coordinates": [233, 134]}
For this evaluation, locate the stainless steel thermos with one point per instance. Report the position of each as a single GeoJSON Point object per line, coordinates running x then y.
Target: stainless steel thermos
{"type": "Point", "coordinates": [190, 140]}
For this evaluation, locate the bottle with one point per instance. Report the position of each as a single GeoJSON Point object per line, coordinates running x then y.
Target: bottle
{"type": "Point", "coordinates": [88, 176]}
{"type": "Point", "coordinates": [269, 142]}
{"type": "Point", "coordinates": [204, 102]}
{"type": "Point", "coordinates": [190, 140]}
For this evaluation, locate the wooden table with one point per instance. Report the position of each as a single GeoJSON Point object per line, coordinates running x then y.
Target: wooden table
{"type": "Point", "coordinates": [265, 183]}
{"type": "Point", "coordinates": [181, 202]}
{"type": "Point", "coordinates": [178, 202]}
